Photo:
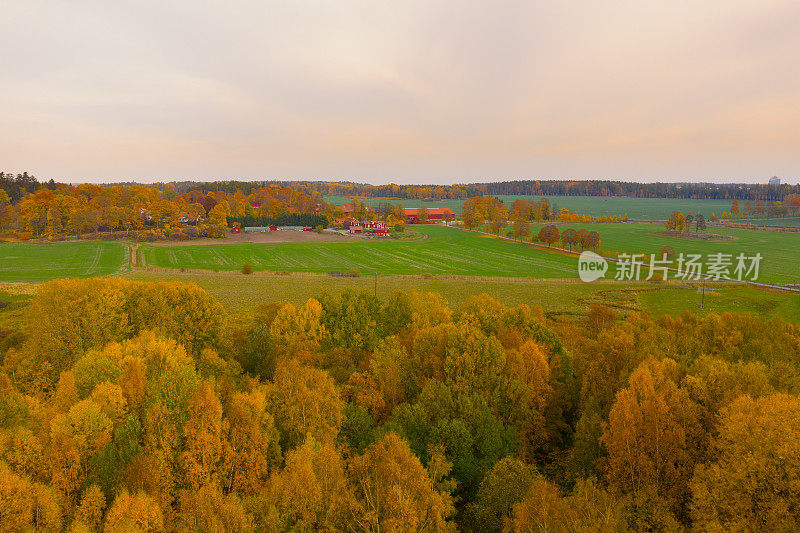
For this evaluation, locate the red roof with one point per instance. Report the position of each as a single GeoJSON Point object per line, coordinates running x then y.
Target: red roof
{"type": "Point", "coordinates": [431, 211]}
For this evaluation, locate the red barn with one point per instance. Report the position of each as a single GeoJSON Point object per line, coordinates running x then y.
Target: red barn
{"type": "Point", "coordinates": [434, 214]}
{"type": "Point", "coordinates": [236, 229]}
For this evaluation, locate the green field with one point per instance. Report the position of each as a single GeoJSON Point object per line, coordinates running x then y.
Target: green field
{"type": "Point", "coordinates": [240, 293]}
{"type": "Point", "coordinates": [39, 262]}
{"type": "Point", "coordinates": [445, 251]}
{"type": "Point", "coordinates": [636, 208]}
{"type": "Point", "coordinates": [449, 251]}
{"type": "Point", "coordinates": [780, 251]}
{"type": "Point", "coordinates": [789, 222]}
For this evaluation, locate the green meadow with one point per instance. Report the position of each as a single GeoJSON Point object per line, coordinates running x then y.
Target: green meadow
{"type": "Point", "coordinates": [40, 262]}
{"type": "Point", "coordinates": [780, 252]}
{"type": "Point", "coordinates": [450, 251]}
{"type": "Point", "coordinates": [452, 262]}
{"type": "Point", "coordinates": [444, 252]}
{"type": "Point", "coordinates": [240, 293]}
{"type": "Point", "coordinates": [788, 222]}
{"type": "Point", "coordinates": [447, 251]}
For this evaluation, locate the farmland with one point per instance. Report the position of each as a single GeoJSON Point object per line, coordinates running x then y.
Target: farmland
{"type": "Point", "coordinates": [789, 222]}
{"type": "Point", "coordinates": [459, 263]}
{"type": "Point", "coordinates": [39, 262]}
{"type": "Point", "coordinates": [445, 251]}
{"type": "Point", "coordinates": [449, 251]}
{"type": "Point", "coordinates": [240, 293]}
{"type": "Point", "coordinates": [636, 208]}
{"type": "Point", "coordinates": [780, 251]}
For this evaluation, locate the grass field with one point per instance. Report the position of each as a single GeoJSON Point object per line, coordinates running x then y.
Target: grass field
{"type": "Point", "coordinates": [241, 293]}
{"type": "Point", "coordinates": [780, 251]}
{"type": "Point", "coordinates": [39, 262]}
{"type": "Point", "coordinates": [793, 222]}
{"type": "Point", "coordinates": [445, 251]}
{"type": "Point", "coordinates": [450, 251]}
{"type": "Point", "coordinates": [637, 208]}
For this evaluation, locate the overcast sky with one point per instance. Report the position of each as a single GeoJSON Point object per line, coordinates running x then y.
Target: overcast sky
{"type": "Point", "coordinates": [408, 91]}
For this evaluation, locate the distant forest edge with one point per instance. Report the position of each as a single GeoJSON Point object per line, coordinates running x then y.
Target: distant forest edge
{"type": "Point", "coordinates": [18, 185]}
{"type": "Point", "coordinates": [699, 191]}
{"type": "Point", "coordinates": [33, 209]}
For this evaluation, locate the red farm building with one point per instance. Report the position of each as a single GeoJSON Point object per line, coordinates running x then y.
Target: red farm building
{"type": "Point", "coordinates": [376, 227]}
{"type": "Point", "coordinates": [435, 214]}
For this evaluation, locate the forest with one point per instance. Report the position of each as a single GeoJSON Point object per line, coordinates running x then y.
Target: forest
{"type": "Point", "coordinates": [546, 187]}
{"type": "Point", "coordinates": [30, 209]}
{"type": "Point", "coordinates": [17, 186]}
{"type": "Point", "coordinates": [56, 211]}
{"type": "Point", "coordinates": [143, 406]}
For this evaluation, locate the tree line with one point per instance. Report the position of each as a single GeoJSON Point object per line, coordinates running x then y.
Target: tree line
{"type": "Point", "coordinates": [18, 185]}
{"type": "Point", "coordinates": [130, 405]}
{"type": "Point", "coordinates": [699, 191]}
{"type": "Point", "coordinates": [148, 213]}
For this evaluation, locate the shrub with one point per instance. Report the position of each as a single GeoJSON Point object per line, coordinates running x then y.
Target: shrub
{"type": "Point", "coordinates": [247, 268]}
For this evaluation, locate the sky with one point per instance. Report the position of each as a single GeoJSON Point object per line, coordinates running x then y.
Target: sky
{"type": "Point", "coordinates": [401, 91]}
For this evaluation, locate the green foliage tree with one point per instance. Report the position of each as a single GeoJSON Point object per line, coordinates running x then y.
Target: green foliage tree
{"type": "Point", "coordinates": [699, 223]}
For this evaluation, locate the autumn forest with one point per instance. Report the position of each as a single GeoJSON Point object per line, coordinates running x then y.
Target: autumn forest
{"type": "Point", "coordinates": [137, 406]}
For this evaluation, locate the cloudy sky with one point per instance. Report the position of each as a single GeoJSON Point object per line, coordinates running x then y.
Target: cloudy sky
{"type": "Point", "coordinates": [409, 91]}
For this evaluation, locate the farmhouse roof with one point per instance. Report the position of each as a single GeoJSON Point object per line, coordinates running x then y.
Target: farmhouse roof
{"type": "Point", "coordinates": [431, 211]}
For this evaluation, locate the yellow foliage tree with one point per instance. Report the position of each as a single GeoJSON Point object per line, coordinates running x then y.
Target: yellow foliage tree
{"type": "Point", "coordinates": [653, 437]}
{"type": "Point", "coordinates": [129, 513]}
{"type": "Point", "coordinates": [312, 493]}
{"type": "Point", "coordinates": [394, 492]}
{"type": "Point", "coordinates": [752, 482]}
{"type": "Point", "coordinates": [202, 450]}
{"type": "Point", "coordinates": [305, 401]}
{"type": "Point", "coordinates": [251, 451]}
